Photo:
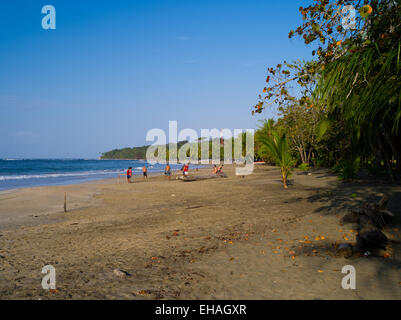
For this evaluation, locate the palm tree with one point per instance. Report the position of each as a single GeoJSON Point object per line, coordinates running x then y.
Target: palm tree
{"type": "Point", "coordinates": [278, 147]}
{"type": "Point", "coordinates": [266, 129]}
{"type": "Point", "coordinates": [362, 88]}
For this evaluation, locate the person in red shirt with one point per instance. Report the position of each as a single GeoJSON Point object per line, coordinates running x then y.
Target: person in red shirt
{"type": "Point", "coordinates": [129, 174]}
{"type": "Point", "coordinates": [185, 169]}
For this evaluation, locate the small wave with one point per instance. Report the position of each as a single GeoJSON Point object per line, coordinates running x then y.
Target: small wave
{"type": "Point", "coordinates": [57, 175]}
{"type": "Point", "coordinates": [48, 159]}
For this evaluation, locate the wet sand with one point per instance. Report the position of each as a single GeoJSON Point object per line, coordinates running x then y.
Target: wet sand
{"type": "Point", "coordinates": [233, 238]}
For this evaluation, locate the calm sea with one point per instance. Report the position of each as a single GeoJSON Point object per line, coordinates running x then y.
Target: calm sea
{"type": "Point", "coordinates": [20, 173]}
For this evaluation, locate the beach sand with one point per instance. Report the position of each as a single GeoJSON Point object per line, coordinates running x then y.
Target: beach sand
{"type": "Point", "coordinates": [213, 239]}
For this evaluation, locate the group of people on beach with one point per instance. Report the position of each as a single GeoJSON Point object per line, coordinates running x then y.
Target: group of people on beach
{"type": "Point", "coordinates": [144, 172]}
{"type": "Point", "coordinates": [218, 170]}
{"type": "Point", "coordinates": [167, 171]}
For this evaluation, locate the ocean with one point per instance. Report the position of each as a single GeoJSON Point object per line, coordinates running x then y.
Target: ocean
{"type": "Point", "coordinates": [22, 173]}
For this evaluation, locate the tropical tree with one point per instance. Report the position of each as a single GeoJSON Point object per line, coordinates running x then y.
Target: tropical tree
{"type": "Point", "coordinates": [281, 153]}
{"type": "Point", "coordinates": [299, 115]}
{"type": "Point", "coordinates": [355, 79]}
{"type": "Point", "coordinates": [301, 125]}
{"type": "Point", "coordinates": [266, 129]}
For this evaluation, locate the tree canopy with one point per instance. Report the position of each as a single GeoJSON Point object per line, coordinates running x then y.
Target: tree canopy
{"type": "Point", "coordinates": [350, 92]}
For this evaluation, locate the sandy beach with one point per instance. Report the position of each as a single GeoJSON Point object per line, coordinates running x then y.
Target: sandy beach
{"type": "Point", "coordinates": [232, 238]}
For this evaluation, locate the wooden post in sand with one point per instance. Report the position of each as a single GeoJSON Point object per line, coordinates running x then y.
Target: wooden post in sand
{"type": "Point", "coordinates": [65, 201]}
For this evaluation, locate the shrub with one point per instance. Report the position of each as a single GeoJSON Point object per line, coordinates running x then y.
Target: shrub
{"type": "Point", "coordinates": [373, 168]}
{"type": "Point", "coordinates": [304, 167]}
{"type": "Point", "coordinates": [347, 169]}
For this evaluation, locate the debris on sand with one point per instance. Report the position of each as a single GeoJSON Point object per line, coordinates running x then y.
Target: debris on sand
{"type": "Point", "coordinates": [121, 273]}
{"type": "Point", "coordinates": [344, 250]}
{"type": "Point", "coordinates": [204, 177]}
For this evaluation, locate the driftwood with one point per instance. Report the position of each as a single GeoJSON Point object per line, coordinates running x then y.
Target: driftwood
{"type": "Point", "coordinates": [65, 201]}
{"type": "Point", "coordinates": [198, 178]}
{"type": "Point", "coordinates": [370, 218]}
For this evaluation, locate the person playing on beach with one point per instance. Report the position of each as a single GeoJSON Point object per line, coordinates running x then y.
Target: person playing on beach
{"type": "Point", "coordinates": [145, 172]}
{"type": "Point", "coordinates": [185, 170]}
{"type": "Point", "coordinates": [220, 169]}
{"type": "Point", "coordinates": [129, 174]}
{"type": "Point", "coordinates": [167, 172]}
{"type": "Point", "coordinates": [214, 169]}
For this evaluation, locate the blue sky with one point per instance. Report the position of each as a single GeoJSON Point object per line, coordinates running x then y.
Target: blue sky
{"type": "Point", "coordinates": [112, 70]}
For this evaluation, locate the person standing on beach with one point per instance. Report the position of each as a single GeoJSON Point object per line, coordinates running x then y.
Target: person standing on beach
{"type": "Point", "coordinates": [167, 172]}
{"type": "Point", "coordinates": [185, 170]}
{"type": "Point", "coordinates": [129, 174]}
{"type": "Point", "coordinates": [145, 172]}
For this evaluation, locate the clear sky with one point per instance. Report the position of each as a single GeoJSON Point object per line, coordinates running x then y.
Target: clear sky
{"type": "Point", "coordinates": [112, 70]}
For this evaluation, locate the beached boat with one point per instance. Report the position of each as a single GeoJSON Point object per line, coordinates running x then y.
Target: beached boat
{"type": "Point", "coordinates": [203, 177]}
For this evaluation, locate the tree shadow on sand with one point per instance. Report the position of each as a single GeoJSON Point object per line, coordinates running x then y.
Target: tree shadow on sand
{"type": "Point", "coordinates": [337, 198]}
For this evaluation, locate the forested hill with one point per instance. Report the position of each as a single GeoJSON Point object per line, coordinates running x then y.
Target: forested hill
{"type": "Point", "coordinates": [126, 153]}
{"type": "Point", "coordinates": [135, 153]}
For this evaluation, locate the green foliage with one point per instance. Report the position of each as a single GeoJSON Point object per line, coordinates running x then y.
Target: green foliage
{"type": "Point", "coordinates": [140, 152]}
{"type": "Point", "coordinates": [300, 124]}
{"type": "Point", "coordinates": [289, 84]}
{"type": "Point", "coordinates": [126, 153]}
{"type": "Point", "coordinates": [370, 84]}
{"type": "Point", "coordinates": [261, 150]}
{"type": "Point", "coordinates": [304, 167]}
{"type": "Point", "coordinates": [322, 127]}
{"type": "Point", "coordinates": [281, 153]}
{"type": "Point", "coordinates": [374, 168]}
{"type": "Point", "coordinates": [347, 169]}
{"type": "Point", "coordinates": [353, 87]}
{"type": "Point", "coordinates": [136, 153]}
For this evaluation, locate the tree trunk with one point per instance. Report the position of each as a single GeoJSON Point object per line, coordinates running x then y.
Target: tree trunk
{"type": "Point", "coordinates": [393, 147]}
{"type": "Point", "coordinates": [301, 153]}
{"type": "Point", "coordinates": [310, 152]}
{"type": "Point", "coordinates": [397, 155]}
{"type": "Point", "coordinates": [284, 176]}
{"type": "Point", "coordinates": [386, 159]}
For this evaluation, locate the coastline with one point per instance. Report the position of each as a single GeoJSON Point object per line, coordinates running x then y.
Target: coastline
{"type": "Point", "coordinates": [62, 178]}
{"type": "Point", "coordinates": [27, 206]}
